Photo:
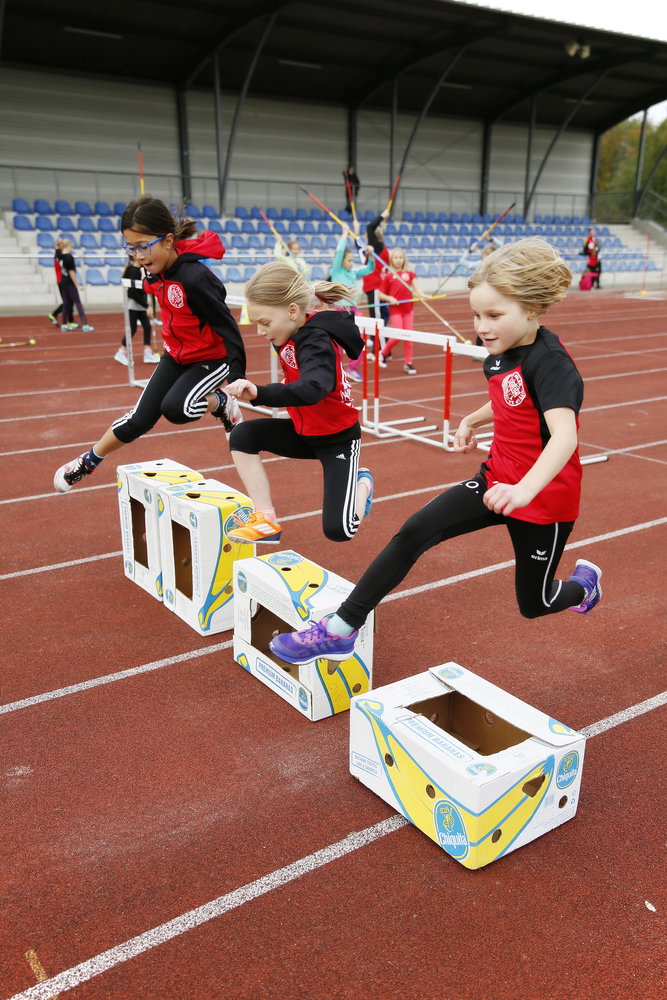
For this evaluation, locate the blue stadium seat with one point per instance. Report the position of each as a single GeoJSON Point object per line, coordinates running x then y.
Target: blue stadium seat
{"type": "Point", "coordinates": [46, 259]}
{"type": "Point", "coordinates": [238, 241]}
{"type": "Point", "coordinates": [301, 213]}
{"type": "Point", "coordinates": [64, 222]}
{"type": "Point", "coordinates": [44, 223]}
{"type": "Point", "coordinates": [95, 277]}
{"type": "Point", "coordinates": [114, 259]}
{"type": "Point", "coordinates": [103, 208]}
{"type": "Point", "coordinates": [281, 227]}
{"type": "Point", "coordinates": [215, 226]}
{"type": "Point", "coordinates": [431, 217]}
{"type": "Point", "coordinates": [45, 241]}
{"type": "Point", "coordinates": [255, 212]}
{"type": "Point", "coordinates": [286, 213]}
{"type": "Point", "coordinates": [119, 207]}
{"type": "Point", "coordinates": [419, 217]}
{"type": "Point", "coordinates": [309, 227]}
{"type": "Point", "coordinates": [242, 213]}
{"type": "Point", "coordinates": [454, 217]}
{"type": "Point", "coordinates": [317, 215]}
{"type": "Point", "coordinates": [330, 242]}
{"type": "Point", "coordinates": [110, 241]}
{"type": "Point", "coordinates": [255, 242]}
{"type": "Point", "coordinates": [248, 272]}
{"type": "Point", "coordinates": [192, 211]}
{"type": "Point", "coordinates": [62, 207]}
{"type": "Point", "coordinates": [89, 241]}
{"type": "Point", "coordinates": [114, 275]}
{"type": "Point", "coordinates": [71, 237]}
{"type": "Point", "coordinates": [317, 243]}
{"type": "Point", "coordinates": [209, 212]}
{"type": "Point", "coordinates": [92, 260]}
{"type": "Point", "coordinates": [272, 212]}
{"type": "Point", "coordinates": [231, 226]}
{"type": "Point", "coordinates": [263, 227]}
{"type": "Point", "coordinates": [106, 225]}
{"type": "Point", "coordinates": [443, 217]}
{"type": "Point", "coordinates": [247, 226]}
{"type": "Point", "coordinates": [83, 208]}
{"type": "Point", "coordinates": [23, 223]}
{"type": "Point", "coordinates": [319, 273]}
{"type": "Point", "coordinates": [86, 224]}
{"type": "Point", "coordinates": [21, 206]}
{"type": "Point", "coordinates": [42, 207]}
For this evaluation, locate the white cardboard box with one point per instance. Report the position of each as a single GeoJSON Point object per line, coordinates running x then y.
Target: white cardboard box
{"type": "Point", "coordinates": [478, 770]}
{"type": "Point", "coordinates": [282, 592]}
{"type": "Point", "coordinates": [197, 555]}
{"type": "Point", "coordinates": [138, 503]}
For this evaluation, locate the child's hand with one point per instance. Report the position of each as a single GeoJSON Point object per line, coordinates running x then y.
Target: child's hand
{"type": "Point", "coordinates": [385, 214]}
{"type": "Point", "coordinates": [356, 227]}
{"type": "Point", "coordinates": [503, 498]}
{"type": "Point", "coordinates": [369, 250]}
{"type": "Point", "coordinates": [464, 438]}
{"type": "Point", "coordinates": [392, 301]}
{"type": "Point", "coordinates": [242, 389]}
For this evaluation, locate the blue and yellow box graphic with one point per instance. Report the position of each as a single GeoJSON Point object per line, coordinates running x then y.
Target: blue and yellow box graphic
{"type": "Point", "coordinates": [283, 592]}
{"type": "Point", "coordinates": [138, 503]}
{"type": "Point", "coordinates": [197, 555]}
{"type": "Point", "coordinates": [479, 771]}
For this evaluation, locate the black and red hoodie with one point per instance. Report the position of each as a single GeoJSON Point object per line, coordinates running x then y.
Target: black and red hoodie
{"type": "Point", "coordinates": [196, 322]}
{"type": "Point", "coordinates": [315, 390]}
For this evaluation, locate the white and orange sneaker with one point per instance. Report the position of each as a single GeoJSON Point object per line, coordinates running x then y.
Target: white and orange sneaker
{"type": "Point", "coordinates": [258, 528]}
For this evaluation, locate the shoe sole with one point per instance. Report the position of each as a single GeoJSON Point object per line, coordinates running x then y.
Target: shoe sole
{"type": "Point", "coordinates": [274, 540]}
{"type": "Point", "coordinates": [60, 483]}
{"type": "Point", "coordinates": [299, 661]}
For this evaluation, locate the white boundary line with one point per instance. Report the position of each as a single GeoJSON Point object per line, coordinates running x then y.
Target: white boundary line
{"type": "Point", "coordinates": [409, 592]}
{"type": "Point", "coordinates": [142, 943]}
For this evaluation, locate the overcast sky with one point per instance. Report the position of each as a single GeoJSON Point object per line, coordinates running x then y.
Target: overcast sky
{"type": "Point", "coordinates": [646, 18]}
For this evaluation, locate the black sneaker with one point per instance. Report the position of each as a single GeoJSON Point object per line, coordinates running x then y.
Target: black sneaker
{"type": "Point", "coordinates": [227, 411]}
{"type": "Point", "coordinates": [68, 475]}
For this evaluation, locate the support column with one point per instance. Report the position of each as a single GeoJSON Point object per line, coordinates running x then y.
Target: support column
{"type": "Point", "coordinates": [392, 132]}
{"type": "Point", "coordinates": [529, 154]}
{"type": "Point", "coordinates": [486, 163]}
{"type": "Point", "coordinates": [640, 162]}
{"type": "Point", "coordinates": [218, 129]}
{"type": "Point", "coordinates": [352, 117]}
{"type": "Point", "coordinates": [184, 144]}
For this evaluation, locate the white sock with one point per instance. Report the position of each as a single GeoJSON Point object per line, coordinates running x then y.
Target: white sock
{"type": "Point", "coordinates": [336, 626]}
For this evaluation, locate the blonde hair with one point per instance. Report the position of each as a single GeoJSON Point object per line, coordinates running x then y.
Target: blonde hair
{"type": "Point", "coordinates": [530, 271]}
{"type": "Point", "coordinates": [278, 284]}
{"type": "Point", "coordinates": [405, 266]}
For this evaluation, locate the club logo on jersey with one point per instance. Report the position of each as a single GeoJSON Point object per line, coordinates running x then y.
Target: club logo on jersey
{"type": "Point", "coordinates": [175, 296]}
{"type": "Point", "coordinates": [288, 356]}
{"type": "Point", "coordinates": [514, 390]}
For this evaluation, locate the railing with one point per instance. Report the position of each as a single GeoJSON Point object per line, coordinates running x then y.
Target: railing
{"type": "Point", "coordinates": [72, 185]}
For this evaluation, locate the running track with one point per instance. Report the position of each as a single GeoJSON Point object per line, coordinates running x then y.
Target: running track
{"type": "Point", "coordinates": [171, 830]}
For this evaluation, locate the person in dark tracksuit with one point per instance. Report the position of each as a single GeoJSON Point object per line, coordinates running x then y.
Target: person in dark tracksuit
{"type": "Point", "coordinates": [203, 344]}
{"type": "Point", "coordinates": [309, 339]}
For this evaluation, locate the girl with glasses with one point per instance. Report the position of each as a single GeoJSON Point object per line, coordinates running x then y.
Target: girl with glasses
{"type": "Point", "coordinates": [203, 344]}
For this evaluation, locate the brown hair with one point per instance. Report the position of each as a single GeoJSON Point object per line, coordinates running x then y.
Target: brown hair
{"type": "Point", "coordinates": [278, 284]}
{"type": "Point", "coordinates": [530, 271]}
{"type": "Point", "coordinates": [151, 216]}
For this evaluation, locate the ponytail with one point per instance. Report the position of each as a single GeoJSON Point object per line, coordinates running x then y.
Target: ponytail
{"type": "Point", "coordinates": [278, 284]}
{"type": "Point", "coordinates": [151, 216]}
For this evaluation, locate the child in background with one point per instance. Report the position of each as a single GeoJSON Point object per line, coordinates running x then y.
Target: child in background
{"type": "Point", "coordinates": [531, 480]}
{"type": "Point", "coordinates": [294, 258]}
{"type": "Point", "coordinates": [401, 312]}
{"type": "Point", "coordinates": [57, 254]}
{"type": "Point", "coordinates": [139, 311]}
{"type": "Point", "coordinates": [203, 343]}
{"type": "Point", "coordinates": [343, 272]}
{"type": "Point", "coordinates": [591, 250]}
{"type": "Point", "coordinates": [69, 289]}
{"type": "Point", "coordinates": [373, 280]}
{"type": "Point", "coordinates": [306, 332]}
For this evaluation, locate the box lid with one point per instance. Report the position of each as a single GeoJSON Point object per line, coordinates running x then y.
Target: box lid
{"type": "Point", "coordinates": [503, 704]}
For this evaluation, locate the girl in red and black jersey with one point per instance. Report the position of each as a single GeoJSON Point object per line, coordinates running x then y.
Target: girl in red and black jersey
{"type": "Point", "coordinates": [530, 483]}
{"type": "Point", "coordinates": [203, 343]}
{"type": "Point", "coordinates": [309, 340]}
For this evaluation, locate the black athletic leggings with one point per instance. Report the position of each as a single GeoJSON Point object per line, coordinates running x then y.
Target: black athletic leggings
{"type": "Point", "coordinates": [177, 392]}
{"type": "Point", "coordinates": [339, 461]}
{"type": "Point", "coordinates": [138, 316]}
{"type": "Point", "coordinates": [458, 511]}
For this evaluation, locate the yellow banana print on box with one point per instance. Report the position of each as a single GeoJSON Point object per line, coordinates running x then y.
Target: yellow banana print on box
{"type": "Point", "coordinates": [474, 839]}
{"type": "Point", "coordinates": [349, 678]}
{"type": "Point", "coordinates": [301, 579]}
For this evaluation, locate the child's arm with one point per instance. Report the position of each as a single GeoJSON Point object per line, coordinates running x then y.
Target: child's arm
{"type": "Point", "coordinates": [242, 389]}
{"type": "Point", "coordinates": [503, 498]}
{"type": "Point", "coordinates": [206, 296]}
{"type": "Point", "coordinates": [316, 357]}
{"type": "Point", "coordinates": [464, 438]}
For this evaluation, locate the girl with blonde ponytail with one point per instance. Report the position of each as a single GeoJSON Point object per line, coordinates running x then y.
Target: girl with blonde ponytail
{"type": "Point", "coordinates": [309, 336]}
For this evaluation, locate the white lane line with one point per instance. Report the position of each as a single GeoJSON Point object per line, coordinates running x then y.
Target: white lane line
{"type": "Point", "coordinates": [142, 943]}
{"type": "Point", "coordinates": [410, 592]}
{"type": "Point", "coordinates": [120, 675]}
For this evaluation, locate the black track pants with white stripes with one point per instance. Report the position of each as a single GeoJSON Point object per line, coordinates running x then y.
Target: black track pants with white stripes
{"type": "Point", "coordinates": [177, 392]}
{"type": "Point", "coordinates": [339, 461]}
{"type": "Point", "coordinates": [458, 511]}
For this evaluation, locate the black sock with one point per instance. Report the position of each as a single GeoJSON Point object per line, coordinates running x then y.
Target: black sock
{"type": "Point", "coordinates": [92, 459]}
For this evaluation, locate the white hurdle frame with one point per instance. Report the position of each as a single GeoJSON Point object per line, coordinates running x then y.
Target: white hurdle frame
{"type": "Point", "coordinates": [131, 283]}
{"type": "Point", "coordinates": [396, 428]}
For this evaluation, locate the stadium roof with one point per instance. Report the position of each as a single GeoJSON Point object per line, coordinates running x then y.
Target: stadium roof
{"type": "Point", "coordinates": [468, 61]}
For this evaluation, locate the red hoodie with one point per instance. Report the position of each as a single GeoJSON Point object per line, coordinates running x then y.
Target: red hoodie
{"type": "Point", "coordinates": [196, 322]}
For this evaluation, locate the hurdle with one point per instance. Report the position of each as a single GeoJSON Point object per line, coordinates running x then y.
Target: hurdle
{"type": "Point", "coordinates": [399, 428]}
{"type": "Point", "coordinates": [131, 283]}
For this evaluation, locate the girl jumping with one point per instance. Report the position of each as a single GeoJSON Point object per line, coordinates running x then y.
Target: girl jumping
{"type": "Point", "coordinates": [203, 344]}
{"type": "Point", "coordinates": [307, 335]}
{"type": "Point", "coordinates": [531, 480]}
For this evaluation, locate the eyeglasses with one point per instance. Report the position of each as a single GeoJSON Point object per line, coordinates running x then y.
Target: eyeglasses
{"type": "Point", "coordinates": [140, 248]}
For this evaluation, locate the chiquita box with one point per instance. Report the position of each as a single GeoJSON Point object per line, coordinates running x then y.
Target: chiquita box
{"type": "Point", "coordinates": [476, 769]}
{"type": "Point", "coordinates": [138, 503]}
{"type": "Point", "coordinates": [283, 592]}
{"type": "Point", "coordinates": [197, 554]}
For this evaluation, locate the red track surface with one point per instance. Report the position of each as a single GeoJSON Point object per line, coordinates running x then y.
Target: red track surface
{"type": "Point", "coordinates": [126, 805]}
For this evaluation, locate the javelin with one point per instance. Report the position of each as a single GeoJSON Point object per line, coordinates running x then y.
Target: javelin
{"type": "Point", "coordinates": [349, 194]}
{"type": "Point", "coordinates": [282, 241]}
{"type": "Point", "coordinates": [393, 193]}
{"type": "Point", "coordinates": [384, 264]}
{"type": "Point", "coordinates": [401, 302]}
{"type": "Point", "coordinates": [483, 237]}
